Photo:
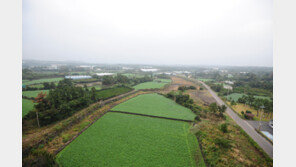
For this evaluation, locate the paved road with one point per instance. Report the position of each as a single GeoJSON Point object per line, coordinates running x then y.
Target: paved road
{"type": "Point", "coordinates": [262, 142]}
{"type": "Point", "coordinates": [264, 126]}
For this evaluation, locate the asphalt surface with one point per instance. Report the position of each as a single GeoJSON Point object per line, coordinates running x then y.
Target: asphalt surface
{"type": "Point", "coordinates": [262, 142]}
{"type": "Point", "coordinates": [264, 126]}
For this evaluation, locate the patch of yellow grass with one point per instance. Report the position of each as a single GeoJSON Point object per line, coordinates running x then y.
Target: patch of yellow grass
{"type": "Point", "coordinates": [241, 107]}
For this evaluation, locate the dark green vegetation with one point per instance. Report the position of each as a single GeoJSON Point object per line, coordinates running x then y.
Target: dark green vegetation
{"type": "Point", "coordinates": [27, 105]}
{"type": "Point", "coordinates": [183, 88]}
{"type": "Point", "coordinates": [130, 140]}
{"type": "Point", "coordinates": [156, 105]}
{"type": "Point", "coordinates": [66, 99]}
{"type": "Point", "coordinates": [111, 92]}
{"type": "Point", "coordinates": [122, 79]}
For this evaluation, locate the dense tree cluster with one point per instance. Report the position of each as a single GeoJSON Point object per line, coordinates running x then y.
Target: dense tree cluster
{"type": "Point", "coordinates": [214, 108]}
{"type": "Point", "coordinates": [61, 102]}
{"type": "Point", "coordinates": [183, 88]}
{"type": "Point", "coordinates": [257, 103]}
{"type": "Point", "coordinates": [121, 79]}
{"type": "Point", "coordinates": [185, 101]}
{"type": "Point", "coordinates": [47, 85]}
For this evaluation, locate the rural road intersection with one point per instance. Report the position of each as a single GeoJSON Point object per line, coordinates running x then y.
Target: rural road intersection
{"type": "Point", "coordinates": [261, 141]}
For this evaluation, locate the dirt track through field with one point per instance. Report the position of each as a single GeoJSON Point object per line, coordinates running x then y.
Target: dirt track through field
{"type": "Point", "coordinates": [145, 115]}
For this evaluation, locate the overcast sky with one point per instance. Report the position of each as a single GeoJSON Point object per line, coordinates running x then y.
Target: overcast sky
{"type": "Point", "coordinates": [197, 32]}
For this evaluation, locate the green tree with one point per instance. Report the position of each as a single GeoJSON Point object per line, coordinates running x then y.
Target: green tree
{"type": "Point", "coordinates": [213, 107]}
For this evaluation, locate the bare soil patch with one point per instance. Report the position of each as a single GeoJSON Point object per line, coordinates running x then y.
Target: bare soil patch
{"type": "Point", "coordinates": [202, 97]}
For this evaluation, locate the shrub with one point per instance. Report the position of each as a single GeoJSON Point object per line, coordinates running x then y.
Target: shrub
{"type": "Point", "coordinates": [192, 87]}
{"type": "Point", "coordinates": [223, 143]}
{"type": "Point", "coordinates": [223, 127]}
{"type": "Point", "coordinates": [243, 112]}
{"type": "Point", "coordinates": [39, 158]}
{"type": "Point", "coordinates": [197, 118]}
{"type": "Point", "coordinates": [248, 112]}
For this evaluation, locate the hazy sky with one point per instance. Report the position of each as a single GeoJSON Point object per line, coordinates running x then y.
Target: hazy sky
{"type": "Point", "coordinates": [197, 32]}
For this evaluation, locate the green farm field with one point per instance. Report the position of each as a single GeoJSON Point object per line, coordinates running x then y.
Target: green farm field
{"type": "Point", "coordinates": [37, 86]}
{"type": "Point", "coordinates": [153, 84]}
{"type": "Point", "coordinates": [37, 81]}
{"type": "Point", "coordinates": [97, 87]}
{"type": "Point", "coordinates": [236, 96]}
{"type": "Point", "coordinates": [34, 93]}
{"type": "Point", "coordinates": [164, 80]}
{"type": "Point", "coordinates": [156, 105]}
{"type": "Point", "coordinates": [129, 140]}
{"type": "Point", "coordinates": [27, 105]}
{"type": "Point", "coordinates": [205, 79]}
{"type": "Point", "coordinates": [111, 92]}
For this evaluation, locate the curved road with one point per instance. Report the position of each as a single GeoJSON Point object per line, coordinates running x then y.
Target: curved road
{"type": "Point", "coordinates": [262, 142]}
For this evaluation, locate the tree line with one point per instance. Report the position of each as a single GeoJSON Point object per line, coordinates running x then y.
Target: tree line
{"type": "Point", "coordinates": [257, 103]}
{"type": "Point", "coordinates": [61, 102]}
{"type": "Point", "coordinates": [121, 79]}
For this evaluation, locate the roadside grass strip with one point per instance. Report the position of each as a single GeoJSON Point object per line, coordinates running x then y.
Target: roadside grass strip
{"type": "Point", "coordinates": [34, 93]}
{"type": "Point", "coordinates": [27, 105]}
{"type": "Point", "coordinates": [130, 140]}
{"type": "Point", "coordinates": [156, 105]}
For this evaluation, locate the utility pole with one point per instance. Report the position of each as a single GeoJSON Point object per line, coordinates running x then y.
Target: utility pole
{"type": "Point", "coordinates": [260, 124]}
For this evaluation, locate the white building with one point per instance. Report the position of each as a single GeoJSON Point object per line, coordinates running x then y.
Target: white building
{"type": "Point", "coordinates": [104, 74]}
{"type": "Point", "coordinates": [229, 82]}
{"type": "Point", "coordinates": [149, 70]}
{"type": "Point", "coordinates": [78, 77]}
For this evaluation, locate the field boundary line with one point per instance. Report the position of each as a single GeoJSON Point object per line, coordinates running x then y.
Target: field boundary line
{"type": "Point", "coordinates": [145, 115]}
{"type": "Point", "coordinates": [95, 120]}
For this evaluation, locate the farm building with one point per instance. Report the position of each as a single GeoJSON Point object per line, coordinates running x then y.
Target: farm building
{"type": "Point", "coordinates": [229, 82]}
{"type": "Point", "coordinates": [103, 74]}
{"type": "Point", "coordinates": [149, 70]}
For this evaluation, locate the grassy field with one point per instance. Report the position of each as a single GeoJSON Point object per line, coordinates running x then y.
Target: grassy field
{"type": "Point", "coordinates": [153, 84]}
{"type": "Point", "coordinates": [157, 105]}
{"type": "Point", "coordinates": [205, 79]}
{"type": "Point", "coordinates": [97, 87]}
{"type": "Point", "coordinates": [37, 86]}
{"type": "Point", "coordinates": [34, 93]}
{"type": "Point", "coordinates": [241, 107]}
{"type": "Point", "coordinates": [233, 148]}
{"type": "Point", "coordinates": [236, 96]}
{"type": "Point", "coordinates": [129, 140]}
{"type": "Point", "coordinates": [37, 81]}
{"type": "Point", "coordinates": [107, 93]}
{"type": "Point", "coordinates": [27, 105]}
{"type": "Point", "coordinates": [164, 80]}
